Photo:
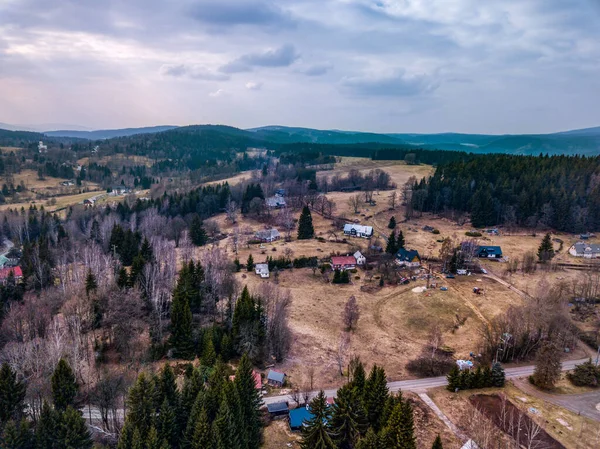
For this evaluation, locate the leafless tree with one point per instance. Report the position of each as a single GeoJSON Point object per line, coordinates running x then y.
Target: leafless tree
{"type": "Point", "coordinates": [276, 302]}
{"type": "Point", "coordinates": [288, 253]}
{"type": "Point", "coordinates": [231, 209]}
{"type": "Point", "coordinates": [354, 202]}
{"type": "Point", "coordinates": [287, 222]}
{"type": "Point", "coordinates": [218, 278]}
{"type": "Point", "coordinates": [295, 395]}
{"type": "Point", "coordinates": [342, 351]}
{"type": "Point", "coordinates": [212, 228]}
{"type": "Point", "coordinates": [393, 199]}
{"type": "Point", "coordinates": [351, 314]}
{"type": "Point", "coordinates": [235, 239]}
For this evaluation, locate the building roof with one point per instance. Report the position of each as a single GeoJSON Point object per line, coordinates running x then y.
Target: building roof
{"type": "Point", "coordinates": [262, 267]}
{"type": "Point", "coordinates": [5, 272]}
{"type": "Point", "coordinates": [276, 376]}
{"type": "Point", "coordinates": [275, 201]}
{"type": "Point", "coordinates": [358, 228]}
{"type": "Point", "coordinates": [277, 407]}
{"type": "Point", "coordinates": [406, 255]}
{"type": "Point", "coordinates": [299, 416]}
{"type": "Point", "coordinates": [470, 445]}
{"type": "Point", "coordinates": [267, 233]}
{"type": "Point", "coordinates": [343, 260]}
{"type": "Point", "coordinates": [582, 248]}
{"type": "Point", "coordinates": [357, 255]}
{"type": "Point", "coordinates": [490, 249]}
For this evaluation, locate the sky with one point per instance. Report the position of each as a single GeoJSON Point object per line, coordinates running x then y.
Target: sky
{"type": "Point", "coordinates": [423, 66]}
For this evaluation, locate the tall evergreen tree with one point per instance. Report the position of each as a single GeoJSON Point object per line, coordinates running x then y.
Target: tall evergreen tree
{"type": "Point", "coordinates": [250, 263]}
{"type": "Point", "coordinates": [73, 432]}
{"type": "Point", "coordinates": [400, 429]}
{"type": "Point", "coordinates": [250, 401]}
{"type": "Point", "coordinates": [400, 240]}
{"type": "Point", "coordinates": [376, 393]}
{"type": "Point", "coordinates": [371, 441]}
{"type": "Point", "coordinates": [497, 375]}
{"type": "Point", "coordinates": [138, 441]}
{"type": "Point", "coordinates": [181, 323]}
{"type": "Point", "coordinates": [64, 386]}
{"type": "Point", "coordinates": [46, 428]}
{"type": "Point", "coordinates": [348, 417]}
{"type": "Point", "coordinates": [453, 379]}
{"type": "Point", "coordinates": [225, 434]}
{"type": "Point", "coordinates": [90, 283]}
{"type": "Point", "coordinates": [166, 424]}
{"type": "Point", "coordinates": [547, 365]}
{"type": "Point", "coordinates": [391, 247]}
{"type": "Point", "coordinates": [123, 278]}
{"type": "Point", "coordinates": [202, 435]}
{"type": "Point", "coordinates": [392, 223]}
{"type": "Point", "coordinates": [305, 225]}
{"type": "Point", "coordinates": [546, 249]}
{"type": "Point", "coordinates": [197, 232]}
{"type": "Point", "coordinates": [140, 405]}
{"type": "Point", "coordinates": [12, 395]}
{"type": "Point", "coordinates": [316, 434]}
{"type": "Point", "coordinates": [437, 444]}
{"type": "Point", "coordinates": [18, 436]}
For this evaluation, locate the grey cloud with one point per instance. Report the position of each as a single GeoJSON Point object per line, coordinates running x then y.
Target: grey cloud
{"type": "Point", "coordinates": [398, 84]}
{"type": "Point", "coordinates": [192, 71]}
{"type": "Point", "coordinates": [317, 69]}
{"type": "Point", "coordinates": [283, 56]}
{"type": "Point", "coordinates": [225, 13]}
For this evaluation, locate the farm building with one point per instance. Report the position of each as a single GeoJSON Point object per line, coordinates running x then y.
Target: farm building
{"type": "Point", "coordinates": [275, 378]}
{"type": "Point", "coordinates": [299, 417]}
{"type": "Point", "coordinates": [89, 201]}
{"type": "Point", "coordinates": [489, 252]}
{"type": "Point", "coordinates": [343, 262]}
{"type": "Point", "coordinates": [360, 259]}
{"type": "Point", "coordinates": [5, 273]}
{"type": "Point", "coordinates": [276, 202]}
{"type": "Point", "coordinates": [262, 269]}
{"type": "Point", "coordinates": [408, 258]}
{"type": "Point", "coordinates": [278, 409]}
{"type": "Point", "coordinates": [356, 230]}
{"type": "Point", "coordinates": [268, 235]}
{"type": "Point", "coordinates": [587, 250]}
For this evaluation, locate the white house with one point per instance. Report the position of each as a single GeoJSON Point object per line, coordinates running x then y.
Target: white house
{"type": "Point", "coordinates": [586, 250]}
{"type": "Point", "coordinates": [262, 269]}
{"type": "Point", "coordinates": [276, 201]}
{"type": "Point", "coordinates": [269, 235]}
{"type": "Point", "coordinates": [360, 259]}
{"type": "Point", "coordinates": [356, 230]}
{"type": "Point", "coordinates": [41, 147]}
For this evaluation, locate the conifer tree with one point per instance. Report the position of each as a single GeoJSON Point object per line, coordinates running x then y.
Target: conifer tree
{"type": "Point", "coordinates": [73, 432]}
{"type": "Point", "coordinates": [202, 435]}
{"type": "Point", "coordinates": [250, 263]}
{"type": "Point", "coordinates": [123, 278]}
{"type": "Point", "coordinates": [305, 225]}
{"type": "Point", "coordinates": [344, 277]}
{"type": "Point", "coordinates": [371, 441]}
{"type": "Point", "coordinates": [250, 401]}
{"type": "Point", "coordinates": [209, 356]}
{"type": "Point", "coordinates": [337, 277]}
{"type": "Point", "coordinates": [197, 232]}
{"type": "Point", "coordinates": [348, 417]}
{"type": "Point", "coordinates": [400, 240]}
{"type": "Point", "coordinates": [17, 436]}
{"type": "Point", "coordinates": [546, 249]}
{"type": "Point", "coordinates": [400, 429]}
{"type": "Point", "coordinates": [140, 404]}
{"type": "Point", "coordinates": [146, 251]}
{"type": "Point", "coordinates": [391, 247]}
{"type": "Point", "coordinates": [64, 386]}
{"type": "Point", "coordinates": [376, 393]}
{"type": "Point", "coordinates": [224, 432]}
{"type": "Point", "coordinates": [437, 444]}
{"type": "Point", "coordinates": [496, 377]}
{"type": "Point", "coordinates": [153, 441]}
{"type": "Point", "coordinates": [226, 347]}
{"type": "Point", "coordinates": [12, 395]}
{"type": "Point", "coordinates": [166, 424]}
{"type": "Point", "coordinates": [181, 324]}
{"type": "Point", "coordinates": [392, 223]}
{"type": "Point", "coordinates": [453, 379]}
{"type": "Point", "coordinates": [46, 428]}
{"type": "Point", "coordinates": [315, 433]}
{"type": "Point", "coordinates": [138, 441]}
{"type": "Point", "coordinates": [166, 390]}
{"type": "Point", "coordinates": [126, 435]}
{"type": "Point", "coordinates": [359, 378]}
{"type": "Point", "coordinates": [547, 365]}
{"type": "Point", "coordinates": [90, 283]}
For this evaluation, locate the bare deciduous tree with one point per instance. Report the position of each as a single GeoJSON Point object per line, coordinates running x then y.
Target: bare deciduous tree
{"type": "Point", "coordinates": [351, 314]}
{"type": "Point", "coordinates": [393, 199]}
{"type": "Point", "coordinates": [354, 202]}
{"type": "Point", "coordinates": [342, 351]}
{"type": "Point", "coordinates": [231, 209]}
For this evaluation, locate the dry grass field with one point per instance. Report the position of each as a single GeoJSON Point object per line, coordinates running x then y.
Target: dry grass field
{"type": "Point", "coordinates": [118, 160]}
{"type": "Point", "coordinates": [6, 150]}
{"type": "Point", "coordinates": [49, 205]}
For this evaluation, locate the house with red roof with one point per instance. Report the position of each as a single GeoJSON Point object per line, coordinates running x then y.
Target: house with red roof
{"type": "Point", "coordinates": [257, 380]}
{"type": "Point", "coordinates": [343, 263]}
{"type": "Point", "coordinates": [5, 273]}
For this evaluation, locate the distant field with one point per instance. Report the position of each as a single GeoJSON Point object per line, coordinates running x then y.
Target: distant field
{"type": "Point", "coordinates": [6, 150]}
{"type": "Point", "coordinates": [118, 160]}
{"type": "Point", "coordinates": [61, 201]}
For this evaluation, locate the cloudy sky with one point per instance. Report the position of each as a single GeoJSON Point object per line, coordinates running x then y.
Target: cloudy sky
{"type": "Point", "coordinates": [488, 66]}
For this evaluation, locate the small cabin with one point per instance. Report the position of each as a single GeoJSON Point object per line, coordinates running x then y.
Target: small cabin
{"type": "Point", "coordinates": [408, 258]}
{"type": "Point", "coordinates": [360, 259]}
{"type": "Point", "coordinates": [489, 252]}
{"type": "Point", "coordinates": [268, 235]}
{"type": "Point", "coordinates": [278, 409]}
{"type": "Point", "coordinates": [356, 230]}
{"type": "Point", "coordinates": [262, 269]}
{"type": "Point", "coordinates": [276, 378]}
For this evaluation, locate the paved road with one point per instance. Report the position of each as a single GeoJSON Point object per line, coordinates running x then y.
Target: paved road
{"type": "Point", "coordinates": [421, 385]}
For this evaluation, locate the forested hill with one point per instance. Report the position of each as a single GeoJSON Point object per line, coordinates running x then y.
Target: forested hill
{"type": "Point", "coordinates": [559, 192]}
{"type": "Point", "coordinates": [18, 138]}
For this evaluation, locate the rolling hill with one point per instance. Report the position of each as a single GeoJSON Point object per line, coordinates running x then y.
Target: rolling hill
{"type": "Point", "coordinates": [108, 133]}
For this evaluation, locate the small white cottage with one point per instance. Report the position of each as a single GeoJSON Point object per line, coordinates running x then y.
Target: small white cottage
{"type": "Point", "coordinates": [262, 269]}
{"type": "Point", "coordinates": [360, 259]}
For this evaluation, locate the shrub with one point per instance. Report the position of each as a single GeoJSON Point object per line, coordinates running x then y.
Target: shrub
{"type": "Point", "coordinates": [321, 239]}
{"type": "Point", "coordinates": [585, 375]}
{"type": "Point", "coordinates": [435, 231]}
{"type": "Point", "coordinates": [303, 262]}
{"type": "Point", "coordinates": [353, 271]}
{"type": "Point", "coordinates": [357, 277]}
{"type": "Point", "coordinates": [426, 366]}
{"type": "Point", "coordinates": [473, 234]}
{"type": "Point", "coordinates": [254, 242]}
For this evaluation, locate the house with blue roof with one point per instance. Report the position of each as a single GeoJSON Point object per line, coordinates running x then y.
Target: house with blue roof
{"type": "Point", "coordinates": [489, 252]}
{"type": "Point", "coordinates": [408, 258]}
{"type": "Point", "coordinates": [299, 417]}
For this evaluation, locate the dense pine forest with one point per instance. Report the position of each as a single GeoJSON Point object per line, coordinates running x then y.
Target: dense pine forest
{"type": "Point", "coordinates": [557, 192]}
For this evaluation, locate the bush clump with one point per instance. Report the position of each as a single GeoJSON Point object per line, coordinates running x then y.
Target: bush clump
{"type": "Point", "coordinates": [435, 231]}
{"type": "Point", "coordinates": [473, 234]}
{"type": "Point", "coordinates": [585, 375]}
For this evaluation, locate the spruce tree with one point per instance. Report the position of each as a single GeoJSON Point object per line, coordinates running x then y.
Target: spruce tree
{"type": "Point", "coordinates": [138, 441]}
{"type": "Point", "coordinates": [344, 277]}
{"type": "Point", "coordinates": [224, 431]}
{"type": "Point", "coordinates": [546, 249]}
{"type": "Point", "coordinates": [64, 386]}
{"type": "Point", "coordinates": [90, 283]}
{"type": "Point", "coordinates": [371, 441]}
{"type": "Point", "coordinates": [202, 438]}
{"type": "Point", "coordinates": [46, 428]}
{"type": "Point", "coordinates": [337, 277]}
{"type": "Point", "coordinates": [18, 436]}
{"type": "Point", "coordinates": [437, 444]}
{"type": "Point", "coordinates": [126, 435]}
{"type": "Point", "coordinates": [140, 404]}
{"type": "Point", "coordinates": [250, 401]}
{"type": "Point", "coordinates": [209, 356]}
{"type": "Point", "coordinates": [400, 429]}
{"type": "Point", "coordinates": [166, 424]}
{"type": "Point", "coordinates": [12, 395]}
{"type": "Point", "coordinates": [496, 377]}
{"type": "Point", "coordinates": [315, 433]}
{"type": "Point", "coordinates": [153, 441]}
{"type": "Point", "coordinates": [197, 232]}
{"type": "Point", "coordinates": [348, 417]}
{"type": "Point", "coordinates": [400, 240]}
{"type": "Point", "coordinates": [146, 251]}
{"type": "Point", "coordinates": [166, 389]}
{"type": "Point", "coordinates": [453, 379]}
{"type": "Point", "coordinates": [73, 432]}
{"type": "Point", "coordinates": [305, 225]}
{"type": "Point", "coordinates": [123, 278]}
{"type": "Point", "coordinates": [376, 393]}
{"type": "Point", "coordinates": [359, 378]}
{"type": "Point", "coordinates": [391, 247]}
{"type": "Point", "coordinates": [392, 223]}
{"type": "Point", "coordinates": [181, 324]}
{"type": "Point", "coordinates": [250, 263]}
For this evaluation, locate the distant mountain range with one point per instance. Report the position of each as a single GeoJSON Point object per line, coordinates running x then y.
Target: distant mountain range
{"type": "Point", "coordinates": [581, 141]}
